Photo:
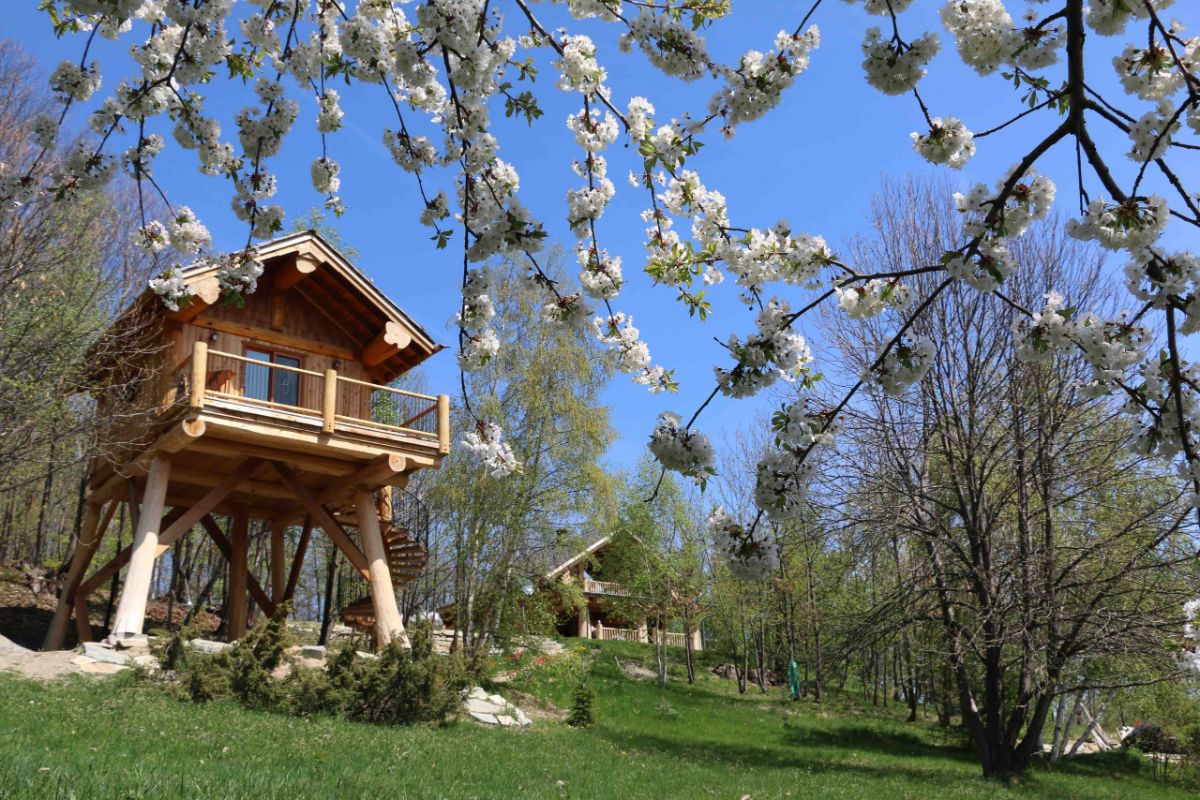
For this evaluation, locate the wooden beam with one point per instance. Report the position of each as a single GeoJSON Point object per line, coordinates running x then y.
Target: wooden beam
{"type": "Point", "coordinates": [298, 560]}
{"type": "Point", "coordinates": [278, 556]}
{"type": "Point", "coordinates": [388, 623]}
{"type": "Point", "coordinates": [172, 440]}
{"type": "Point", "coordinates": [420, 453]}
{"type": "Point", "coordinates": [239, 571]}
{"type": "Point", "coordinates": [294, 269]}
{"type": "Point", "coordinates": [200, 477]}
{"type": "Point", "coordinates": [389, 470]}
{"type": "Point", "coordinates": [322, 517]}
{"type": "Point", "coordinates": [390, 341]}
{"type": "Point", "coordinates": [205, 293]}
{"type": "Point", "coordinates": [91, 533]}
{"type": "Point", "coordinates": [307, 463]}
{"type": "Point", "coordinates": [277, 338]}
{"type": "Point", "coordinates": [256, 591]}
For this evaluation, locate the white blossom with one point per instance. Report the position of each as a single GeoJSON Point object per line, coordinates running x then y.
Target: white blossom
{"type": "Point", "coordinates": [681, 450]}
{"type": "Point", "coordinates": [486, 442]}
{"type": "Point", "coordinates": [948, 142]}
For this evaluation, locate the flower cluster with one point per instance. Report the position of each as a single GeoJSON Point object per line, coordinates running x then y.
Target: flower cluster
{"type": "Point", "coordinates": [487, 443]}
{"type": "Point", "coordinates": [681, 450]}
{"type": "Point", "coordinates": [633, 355]}
{"type": "Point", "coordinates": [670, 45]}
{"type": "Point", "coordinates": [784, 472]}
{"type": "Point", "coordinates": [747, 558]}
{"type": "Point", "coordinates": [872, 298]}
{"type": "Point", "coordinates": [1132, 225]}
{"type": "Point", "coordinates": [774, 351]}
{"type": "Point", "coordinates": [756, 84]}
{"type": "Point", "coordinates": [905, 364]}
{"type": "Point", "coordinates": [948, 142]}
{"type": "Point", "coordinates": [479, 342]}
{"type": "Point", "coordinates": [893, 66]}
{"type": "Point", "coordinates": [170, 286]}
{"type": "Point", "coordinates": [601, 274]}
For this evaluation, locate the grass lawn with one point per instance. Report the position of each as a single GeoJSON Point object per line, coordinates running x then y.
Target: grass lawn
{"type": "Point", "coordinates": [112, 739]}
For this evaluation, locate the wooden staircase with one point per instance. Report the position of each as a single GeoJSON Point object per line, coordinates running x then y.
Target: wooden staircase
{"type": "Point", "coordinates": [406, 558]}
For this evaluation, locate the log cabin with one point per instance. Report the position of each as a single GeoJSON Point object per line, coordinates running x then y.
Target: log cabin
{"type": "Point", "coordinates": [280, 408]}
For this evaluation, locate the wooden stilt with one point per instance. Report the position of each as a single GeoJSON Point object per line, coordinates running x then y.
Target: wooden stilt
{"type": "Point", "coordinates": [95, 523]}
{"type": "Point", "coordinates": [388, 624]}
{"type": "Point", "coordinates": [278, 559]}
{"type": "Point", "coordinates": [298, 561]}
{"type": "Point", "coordinates": [223, 544]}
{"type": "Point", "coordinates": [322, 517]}
{"type": "Point", "coordinates": [131, 611]}
{"type": "Point", "coordinates": [235, 611]}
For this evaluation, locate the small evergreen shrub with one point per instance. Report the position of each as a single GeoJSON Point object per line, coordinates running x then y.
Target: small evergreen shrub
{"type": "Point", "coordinates": [581, 704]}
{"type": "Point", "coordinates": [398, 687]}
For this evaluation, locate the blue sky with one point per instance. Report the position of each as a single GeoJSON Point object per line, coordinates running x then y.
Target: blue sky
{"type": "Point", "coordinates": [815, 161]}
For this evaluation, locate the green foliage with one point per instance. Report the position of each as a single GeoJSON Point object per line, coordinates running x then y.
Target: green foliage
{"type": "Point", "coordinates": [397, 687]}
{"type": "Point", "coordinates": [102, 739]}
{"type": "Point", "coordinates": [582, 700]}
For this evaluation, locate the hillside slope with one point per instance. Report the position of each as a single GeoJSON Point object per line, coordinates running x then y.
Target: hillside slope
{"type": "Point", "coordinates": [113, 739]}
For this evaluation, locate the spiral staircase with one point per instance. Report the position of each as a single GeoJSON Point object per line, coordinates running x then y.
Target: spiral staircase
{"type": "Point", "coordinates": [404, 542]}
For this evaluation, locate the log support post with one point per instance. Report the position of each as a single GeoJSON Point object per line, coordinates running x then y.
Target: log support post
{"type": "Point", "coordinates": [329, 402]}
{"type": "Point", "coordinates": [443, 423]}
{"type": "Point", "coordinates": [388, 624]}
{"type": "Point", "coordinates": [90, 534]}
{"type": "Point", "coordinates": [236, 606]}
{"type": "Point", "coordinates": [131, 611]}
{"type": "Point", "coordinates": [199, 380]}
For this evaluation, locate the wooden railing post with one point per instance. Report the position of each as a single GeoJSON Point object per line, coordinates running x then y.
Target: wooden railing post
{"type": "Point", "coordinates": [199, 374]}
{"type": "Point", "coordinates": [329, 404]}
{"type": "Point", "coordinates": [443, 423]}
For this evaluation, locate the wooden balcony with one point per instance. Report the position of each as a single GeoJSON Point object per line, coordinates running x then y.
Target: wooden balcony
{"type": "Point", "coordinates": [643, 635]}
{"type": "Point", "coordinates": [324, 403]}
{"type": "Point", "coordinates": [603, 587]}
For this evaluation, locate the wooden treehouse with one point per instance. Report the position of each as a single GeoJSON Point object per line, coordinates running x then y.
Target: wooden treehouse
{"type": "Point", "coordinates": [279, 410]}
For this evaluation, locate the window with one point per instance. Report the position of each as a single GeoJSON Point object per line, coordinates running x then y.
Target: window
{"type": "Point", "coordinates": [275, 385]}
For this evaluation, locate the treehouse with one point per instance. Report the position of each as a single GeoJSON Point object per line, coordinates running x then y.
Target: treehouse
{"type": "Point", "coordinates": [279, 409]}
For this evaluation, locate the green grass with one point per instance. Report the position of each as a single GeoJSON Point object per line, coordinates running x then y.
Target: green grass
{"type": "Point", "coordinates": [114, 739]}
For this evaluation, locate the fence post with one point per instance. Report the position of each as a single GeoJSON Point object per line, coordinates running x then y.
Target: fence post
{"type": "Point", "coordinates": [443, 423]}
{"type": "Point", "coordinates": [199, 374]}
{"type": "Point", "coordinates": [329, 404]}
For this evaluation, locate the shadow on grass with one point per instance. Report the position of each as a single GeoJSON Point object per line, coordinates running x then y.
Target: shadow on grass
{"type": "Point", "coordinates": [858, 738]}
{"type": "Point", "coordinates": [725, 754]}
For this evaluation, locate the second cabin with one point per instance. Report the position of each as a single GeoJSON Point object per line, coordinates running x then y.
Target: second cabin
{"type": "Point", "coordinates": [280, 408]}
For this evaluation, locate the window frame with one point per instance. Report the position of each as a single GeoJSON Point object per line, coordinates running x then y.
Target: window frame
{"type": "Point", "coordinates": [273, 352]}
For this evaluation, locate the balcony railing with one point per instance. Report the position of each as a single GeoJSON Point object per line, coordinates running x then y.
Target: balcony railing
{"type": "Point", "coordinates": [602, 587]}
{"type": "Point", "coordinates": [321, 397]}
{"type": "Point", "coordinates": [672, 638]}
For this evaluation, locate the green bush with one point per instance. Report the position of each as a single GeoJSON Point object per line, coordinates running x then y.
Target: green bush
{"type": "Point", "coordinates": [399, 686]}
{"type": "Point", "coordinates": [581, 704]}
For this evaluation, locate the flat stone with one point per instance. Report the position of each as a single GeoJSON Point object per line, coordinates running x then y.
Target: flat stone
{"type": "Point", "coordinates": [363, 654]}
{"type": "Point", "coordinates": [498, 700]}
{"type": "Point", "coordinates": [486, 719]}
{"type": "Point", "coordinates": [105, 654]}
{"type": "Point", "coordinates": [506, 721]}
{"type": "Point", "coordinates": [522, 718]}
{"type": "Point", "coordinates": [209, 647]}
{"type": "Point", "coordinates": [146, 661]}
{"type": "Point", "coordinates": [483, 707]}
{"type": "Point", "coordinates": [79, 661]}
{"type": "Point", "coordinates": [477, 693]}
{"type": "Point", "coordinates": [101, 668]}
{"type": "Point", "coordinates": [313, 651]}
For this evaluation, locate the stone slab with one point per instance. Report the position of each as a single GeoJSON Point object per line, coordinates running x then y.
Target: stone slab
{"type": "Point", "coordinates": [105, 654]}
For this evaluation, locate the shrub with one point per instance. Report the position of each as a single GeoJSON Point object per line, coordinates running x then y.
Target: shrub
{"type": "Point", "coordinates": [581, 705]}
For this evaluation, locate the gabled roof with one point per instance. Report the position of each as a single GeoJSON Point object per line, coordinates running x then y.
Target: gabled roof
{"type": "Point", "coordinates": [578, 557]}
{"type": "Point", "coordinates": [391, 342]}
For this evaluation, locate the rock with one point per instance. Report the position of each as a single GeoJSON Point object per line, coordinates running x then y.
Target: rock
{"type": "Point", "coordinates": [105, 654]}
{"type": "Point", "coordinates": [363, 654]}
{"type": "Point", "coordinates": [498, 700]}
{"type": "Point", "coordinates": [486, 719]}
{"type": "Point", "coordinates": [483, 706]}
{"type": "Point", "coordinates": [208, 646]}
{"type": "Point", "coordinates": [521, 718]}
{"type": "Point", "coordinates": [138, 642]}
{"type": "Point", "coordinates": [505, 720]}
{"type": "Point", "coordinates": [145, 661]}
{"type": "Point", "coordinates": [477, 693]}
{"type": "Point", "coordinates": [101, 668]}
{"type": "Point", "coordinates": [79, 661]}
{"type": "Point", "coordinates": [312, 651]}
